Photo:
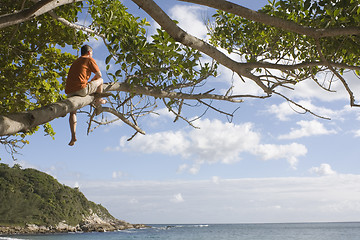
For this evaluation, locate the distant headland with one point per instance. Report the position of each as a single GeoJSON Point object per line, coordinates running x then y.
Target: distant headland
{"type": "Point", "coordinates": [34, 202]}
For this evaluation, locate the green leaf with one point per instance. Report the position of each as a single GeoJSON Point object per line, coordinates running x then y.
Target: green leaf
{"type": "Point", "coordinates": [108, 58]}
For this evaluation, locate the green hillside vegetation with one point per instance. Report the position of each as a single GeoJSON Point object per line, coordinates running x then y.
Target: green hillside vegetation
{"type": "Point", "coordinates": [28, 196]}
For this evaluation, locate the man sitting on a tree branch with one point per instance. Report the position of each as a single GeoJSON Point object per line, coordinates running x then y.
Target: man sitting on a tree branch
{"type": "Point", "coordinates": [77, 83]}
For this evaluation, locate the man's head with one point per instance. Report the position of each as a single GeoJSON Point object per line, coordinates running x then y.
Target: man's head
{"type": "Point", "coordinates": [86, 49]}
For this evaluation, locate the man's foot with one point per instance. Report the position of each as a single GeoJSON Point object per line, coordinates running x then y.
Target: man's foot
{"type": "Point", "coordinates": [72, 142]}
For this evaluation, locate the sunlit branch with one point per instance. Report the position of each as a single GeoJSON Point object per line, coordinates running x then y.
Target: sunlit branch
{"type": "Point", "coordinates": [287, 25]}
{"type": "Point", "coordinates": [343, 81]}
{"type": "Point", "coordinates": [39, 8]}
{"type": "Point", "coordinates": [155, 92]}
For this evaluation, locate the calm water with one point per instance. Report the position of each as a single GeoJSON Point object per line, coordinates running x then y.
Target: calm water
{"type": "Point", "coordinates": [293, 231]}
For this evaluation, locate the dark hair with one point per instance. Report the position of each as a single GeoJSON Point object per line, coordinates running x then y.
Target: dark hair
{"type": "Point", "coordinates": [85, 49]}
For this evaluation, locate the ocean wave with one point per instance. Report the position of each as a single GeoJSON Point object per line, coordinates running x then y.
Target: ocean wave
{"type": "Point", "coordinates": [181, 226]}
{"type": "Point", "coordinates": [192, 225]}
{"type": "Point", "coordinates": [201, 225]}
{"type": "Point", "coordinates": [9, 238]}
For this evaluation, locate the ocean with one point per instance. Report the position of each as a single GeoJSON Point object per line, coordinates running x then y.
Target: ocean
{"type": "Point", "coordinates": [284, 231]}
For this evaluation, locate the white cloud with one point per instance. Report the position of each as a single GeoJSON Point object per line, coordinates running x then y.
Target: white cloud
{"type": "Point", "coordinates": [214, 142]}
{"type": "Point", "coordinates": [307, 129]}
{"type": "Point", "coordinates": [328, 198]}
{"type": "Point", "coordinates": [323, 170]}
{"type": "Point", "coordinates": [133, 201]}
{"type": "Point", "coordinates": [356, 133]}
{"type": "Point", "coordinates": [163, 112]}
{"type": "Point", "coordinates": [290, 152]}
{"type": "Point", "coordinates": [239, 87]}
{"type": "Point", "coordinates": [284, 110]}
{"type": "Point", "coordinates": [310, 90]}
{"type": "Point", "coordinates": [215, 179]}
{"type": "Point", "coordinates": [182, 168]}
{"type": "Point", "coordinates": [117, 174]}
{"type": "Point", "coordinates": [189, 18]}
{"type": "Point", "coordinates": [171, 143]}
{"type": "Point", "coordinates": [177, 198]}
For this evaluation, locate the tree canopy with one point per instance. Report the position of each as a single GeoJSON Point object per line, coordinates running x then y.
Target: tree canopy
{"type": "Point", "coordinates": [284, 43]}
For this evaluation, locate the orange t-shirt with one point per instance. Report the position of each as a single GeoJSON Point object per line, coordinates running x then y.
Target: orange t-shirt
{"type": "Point", "coordinates": [79, 74]}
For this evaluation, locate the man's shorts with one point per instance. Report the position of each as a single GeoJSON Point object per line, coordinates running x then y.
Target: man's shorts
{"type": "Point", "coordinates": [90, 88]}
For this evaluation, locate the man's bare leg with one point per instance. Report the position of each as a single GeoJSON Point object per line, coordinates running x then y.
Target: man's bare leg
{"type": "Point", "coordinates": [99, 89]}
{"type": "Point", "coordinates": [72, 122]}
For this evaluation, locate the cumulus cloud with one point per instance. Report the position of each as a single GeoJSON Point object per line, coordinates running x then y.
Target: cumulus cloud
{"type": "Point", "coordinates": [307, 129]}
{"type": "Point", "coordinates": [323, 170]}
{"type": "Point", "coordinates": [214, 142]}
{"type": "Point", "coordinates": [291, 152]}
{"type": "Point", "coordinates": [177, 198]}
{"type": "Point", "coordinates": [189, 18]}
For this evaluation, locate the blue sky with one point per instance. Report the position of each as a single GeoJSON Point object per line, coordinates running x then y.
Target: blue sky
{"type": "Point", "coordinates": [270, 164]}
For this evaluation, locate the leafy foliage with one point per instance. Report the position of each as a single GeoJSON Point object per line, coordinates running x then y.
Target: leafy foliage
{"type": "Point", "coordinates": [157, 61]}
{"type": "Point", "coordinates": [32, 65]}
{"type": "Point", "coordinates": [31, 197]}
{"type": "Point", "coordinates": [325, 14]}
{"type": "Point", "coordinates": [257, 42]}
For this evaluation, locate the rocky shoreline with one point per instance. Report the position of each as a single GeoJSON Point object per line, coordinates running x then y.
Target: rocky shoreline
{"type": "Point", "coordinates": [92, 223]}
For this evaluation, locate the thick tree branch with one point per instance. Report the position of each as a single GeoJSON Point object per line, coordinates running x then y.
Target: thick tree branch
{"type": "Point", "coordinates": [73, 25]}
{"type": "Point", "coordinates": [37, 9]}
{"type": "Point", "coordinates": [22, 122]}
{"type": "Point", "coordinates": [275, 21]}
{"type": "Point", "coordinates": [183, 37]}
{"type": "Point", "coordinates": [158, 93]}
{"type": "Point", "coordinates": [289, 67]}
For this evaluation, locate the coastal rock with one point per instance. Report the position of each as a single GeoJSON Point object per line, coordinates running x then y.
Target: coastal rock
{"type": "Point", "coordinates": [92, 223]}
{"type": "Point", "coordinates": [63, 227]}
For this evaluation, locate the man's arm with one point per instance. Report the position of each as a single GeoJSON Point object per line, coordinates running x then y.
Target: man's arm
{"type": "Point", "coordinates": [97, 76]}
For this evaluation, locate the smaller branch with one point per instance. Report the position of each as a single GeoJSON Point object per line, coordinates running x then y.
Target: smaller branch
{"type": "Point", "coordinates": [300, 106]}
{"type": "Point", "coordinates": [12, 145]}
{"type": "Point", "coordinates": [179, 116]}
{"type": "Point", "coordinates": [217, 110]}
{"type": "Point", "coordinates": [123, 118]}
{"type": "Point", "coordinates": [320, 85]}
{"type": "Point", "coordinates": [131, 138]}
{"type": "Point", "coordinates": [179, 111]}
{"type": "Point", "coordinates": [73, 25]}
{"type": "Point", "coordinates": [351, 94]}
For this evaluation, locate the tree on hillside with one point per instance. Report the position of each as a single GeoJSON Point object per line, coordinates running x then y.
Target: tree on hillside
{"type": "Point", "coordinates": [286, 42]}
